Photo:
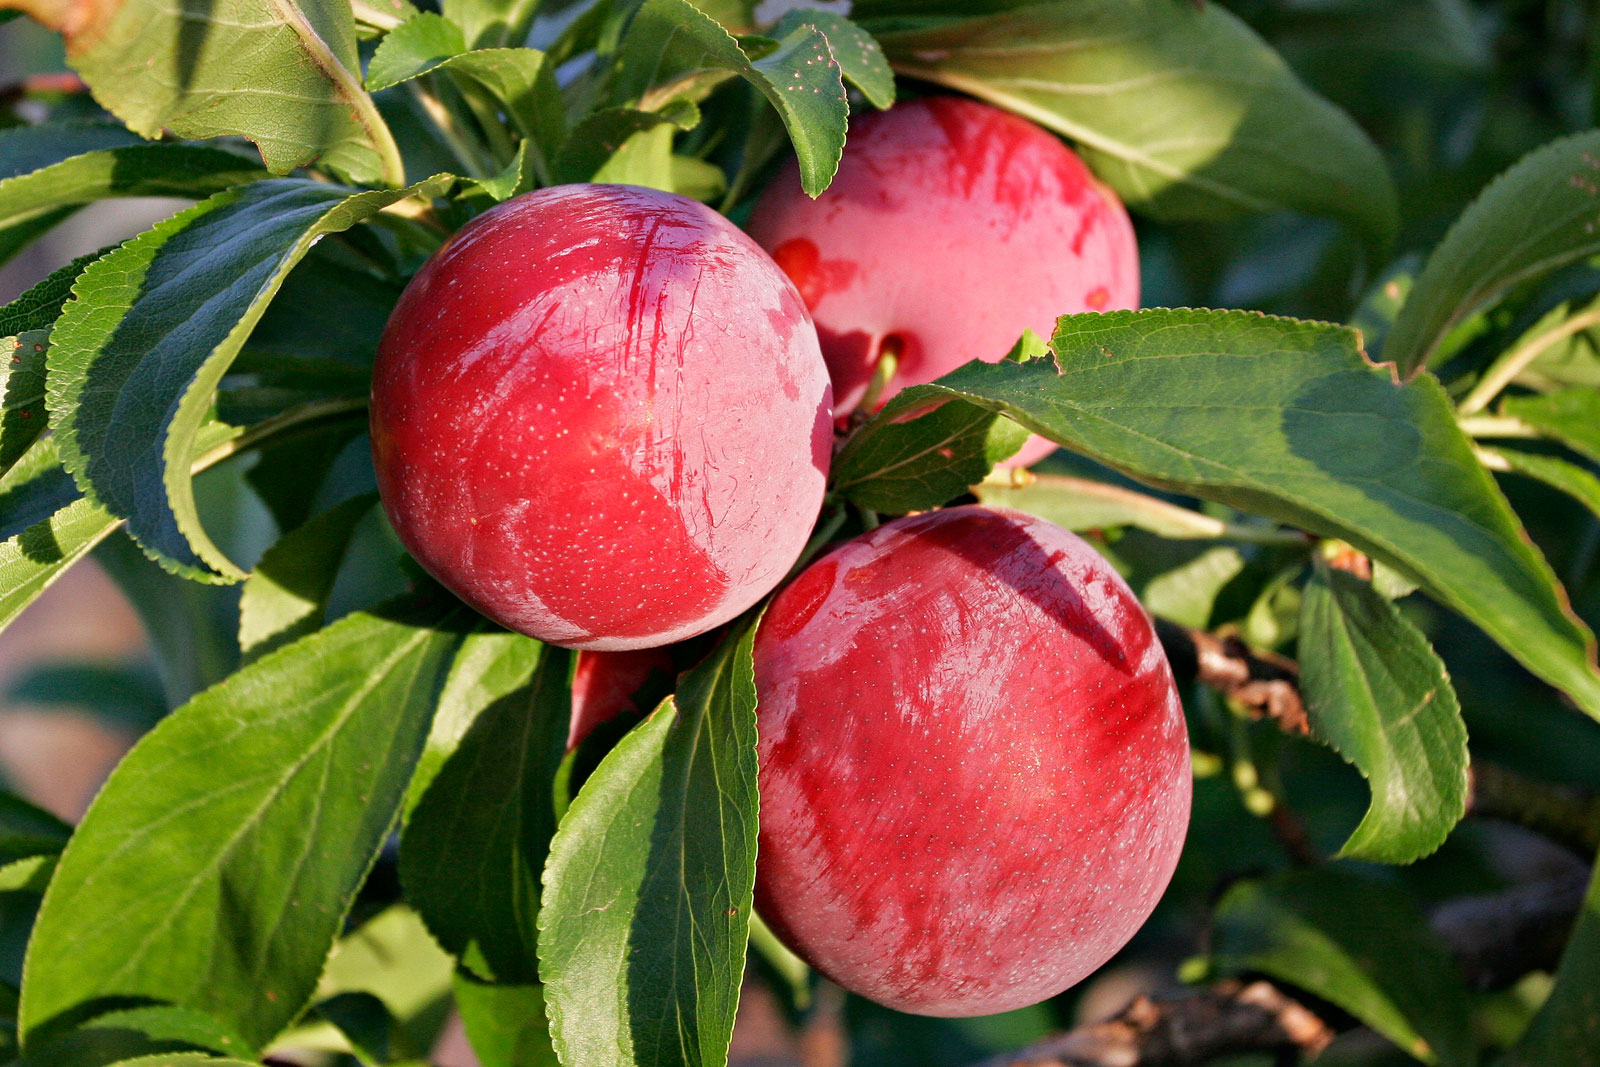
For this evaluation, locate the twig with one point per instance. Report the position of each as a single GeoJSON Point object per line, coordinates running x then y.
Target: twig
{"type": "Point", "coordinates": [1265, 685]}
{"type": "Point", "coordinates": [1497, 938]}
{"type": "Point", "coordinates": [1229, 1018]}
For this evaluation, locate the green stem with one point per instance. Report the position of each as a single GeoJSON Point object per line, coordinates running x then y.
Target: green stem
{"type": "Point", "coordinates": [368, 15]}
{"type": "Point", "coordinates": [472, 158]}
{"type": "Point", "coordinates": [300, 417]}
{"type": "Point", "coordinates": [1496, 426]}
{"type": "Point", "coordinates": [1508, 366]}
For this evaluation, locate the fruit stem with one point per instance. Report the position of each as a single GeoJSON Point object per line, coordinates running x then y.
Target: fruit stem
{"type": "Point", "coordinates": [473, 159]}
{"type": "Point", "coordinates": [819, 537]}
{"type": "Point", "coordinates": [889, 352]}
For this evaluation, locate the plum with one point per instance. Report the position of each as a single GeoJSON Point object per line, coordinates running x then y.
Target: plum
{"type": "Point", "coordinates": [600, 416]}
{"type": "Point", "coordinates": [974, 770]}
{"type": "Point", "coordinates": [952, 226]}
{"type": "Point", "coordinates": [609, 685]}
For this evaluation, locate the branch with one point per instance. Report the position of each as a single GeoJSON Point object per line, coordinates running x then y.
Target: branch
{"type": "Point", "coordinates": [1228, 1019]}
{"type": "Point", "coordinates": [1268, 686]}
{"type": "Point", "coordinates": [1497, 938]}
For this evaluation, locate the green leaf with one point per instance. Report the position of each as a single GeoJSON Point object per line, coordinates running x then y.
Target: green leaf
{"type": "Point", "coordinates": [284, 599]}
{"type": "Point", "coordinates": [492, 23]}
{"type": "Point", "coordinates": [1180, 107]}
{"type": "Point", "coordinates": [1377, 694]}
{"type": "Point", "coordinates": [1357, 945]}
{"type": "Point", "coordinates": [601, 134]}
{"type": "Point", "coordinates": [33, 559]}
{"type": "Point", "coordinates": [490, 666]}
{"type": "Point", "coordinates": [30, 874]}
{"type": "Point", "coordinates": [1542, 213]}
{"type": "Point", "coordinates": [648, 890]}
{"type": "Point", "coordinates": [1187, 594]}
{"type": "Point", "coordinates": [143, 1030]}
{"type": "Point", "coordinates": [1567, 1028]}
{"type": "Point", "coordinates": [505, 1023]}
{"type": "Point", "coordinates": [46, 168]}
{"type": "Point", "coordinates": [282, 73]}
{"type": "Point", "coordinates": [906, 461]}
{"type": "Point", "coordinates": [393, 957]}
{"type": "Point", "coordinates": [1084, 504]}
{"type": "Point", "coordinates": [670, 42]}
{"type": "Point", "coordinates": [1569, 478]}
{"type": "Point", "coordinates": [861, 58]}
{"type": "Point", "coordinates": [135, 359]}
{"type": "Point", "coordinates": [519, 78]}
{"type": "Point", "coordinates": [1286, 420]}
{"type": "Point", "coordinates": [1571, 416]}
{"type": "Point", "coordinates": [181, 1059]}
{"type": "Point", "coordinates": [35, 488]}
{"type": "Point", "coordinates": [25, 334]}
{"type": "Point", "coordinates": [266, 799]}
{"type": "Point", "coordinates": [476, 842]}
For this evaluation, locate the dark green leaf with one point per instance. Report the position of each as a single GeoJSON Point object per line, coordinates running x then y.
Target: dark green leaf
{"type": "Point", "coordinates": [1541, 214]}
{"type": "Point", "coordinates": [137, 1031]}
{"type": "Point", "coordinates": [648, 890]}
{"type": "Point", "coordinates": [904, 460]}
{"type": "Point", "coordinates": [1571, 416]}
{"type": "Point", "coordinates": [1570, 478]}
{"type": "Point", "coordinates": [284, 599]}
{"type": "Point", "coordinates": [135, 358]}
{"type": "Point", "coordinates": [282, 73]}
{"type": "Point", "coordinates": [1567, 1028]}
{"type": "Point", "coordinates": [24, 341]}
{"type": "Point", "coordinates": [325, 313]}
{"type": "Point", "coordinates": [46, 168]}
{"type": "Point", "coordinates": [476, 842]}
{"type": "Point", "coordinates": [26, 830]}
{"type": "Point", "coordinates": [35, 488]}
{"type": "Point", "coordinates": [40, 306]}
{"type": "Point", "coordinates": [1376, 692]}
{"type": "Point", "coordinates": [1357, 945]}
{"type": "Point", "coordinates": [505, 1023]}
{"type": "Point", "coordinates": [670, 42]}
{"type": "Point", "coordinates": [365, 1022]}
{"type": "Point", "coordinates": [266, 799]}
{"type": "Point", "coordinates": [861, 58]}
{"type": "Point", "coordinates": [1285, 419]}
{"type": "Point", "coordinates": [1180, 107]}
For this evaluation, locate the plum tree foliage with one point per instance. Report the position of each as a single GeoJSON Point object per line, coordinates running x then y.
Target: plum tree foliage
{"type": "Point", "coordinates": [639, 504]}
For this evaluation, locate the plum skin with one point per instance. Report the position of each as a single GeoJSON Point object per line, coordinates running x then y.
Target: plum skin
{"type": "Point", "coordinates": [974, 769]}
{"type": "Point", "coordinates": [950, 228]}
{"type": "Point", "coordinates": [600, 416]}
